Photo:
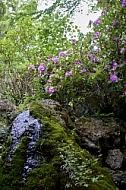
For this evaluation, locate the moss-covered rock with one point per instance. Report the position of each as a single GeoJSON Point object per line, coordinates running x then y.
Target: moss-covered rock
{"type": "Point", "coordinates": [64, 165]}
{"type": "Point", "coordinates": [11, 174]}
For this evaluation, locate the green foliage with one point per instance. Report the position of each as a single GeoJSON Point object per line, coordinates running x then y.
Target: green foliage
{"type": "Point", "coordinates": [21, 46]}
{"type": "Point", "coordinates": [94, 67]}
{"type": "Point", "coordinates": [79, 170]}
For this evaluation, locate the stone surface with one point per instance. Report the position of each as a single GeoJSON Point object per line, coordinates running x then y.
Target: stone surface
{"type": "Point", "coordinates": [114, 159]}
{"type": "Point", "coordinates": [8, 111]}
{"type": "Point", "coordinates": [97, 135]}
{"type": "Point", "coordinates": [119, 178]}
{"type": "Point", "coordinates": [63, 161]}
{"type": "Point", "coordinates": [6, 105]}
{"type": "Point", "coordinates": [25, 125]}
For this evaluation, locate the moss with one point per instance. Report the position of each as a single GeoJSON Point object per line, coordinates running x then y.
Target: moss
{"type": "Point", "coordinates": [58, 138]}
{"type": "Point", "coordinates": [11, 175]}
{"type": "Point", "coordinates": [46, 177]}
{"type": "Point", "coordinates": [57, 146]}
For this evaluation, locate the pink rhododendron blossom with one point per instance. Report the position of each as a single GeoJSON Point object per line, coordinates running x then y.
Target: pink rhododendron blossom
{"type": "Point", "coordinates": [77, 62]}
{"type": "Point", "coordinates": [49, 58]}
{"type": "Point", "coordinates": [31, 66]}
{"type": "Point", "coordinates": [114, 65]}
{"type": "Point", "coordinates": [54, 75]}
{"type": "Point", "coordinates": [41, 67]}
{"type": "Point", "coordinates": [123, 3]}
{"type": "Point", "coordinates": [102, 13]}
{"type": "Point", "coordinates": [50, 89]}
{"type": "Point", "coordinates": [74, 41]}
{"type": "Point", "coordinates": [124, 92]}
{"type": "Point", "coordinates": [61, 53]}
{"type": "Point", "coordinates": [96, 34]}
{"type": "Point", "coordinates": [55, 59]}
{"type": "Point", "coordinates": [122, 50]}
{"type": "Point", "coordinates": [51, 75]}
{"type": "Point", "coordinates": [68, 73]}
{"type": "Point", "coordinates": [93, 58]}
{"type": "Point", "coordinates": [39, 57]}
{"type": "Point", "coordinates": [124, 85]}
{"type": "Point", "coordinates": [48, 82]}
{"type": "Point", "coordinates": [97, 22]}
{"type": "Point", "coordinates": [115, 22]}
{"type": "Point", "coordinates": [113, 78]}
{"type": "Point", "coordinates": [47, 88]}
{"type": "Point", "coordinates": [82, 71]}
{"type": "Point", "coordinates": [116, 39]}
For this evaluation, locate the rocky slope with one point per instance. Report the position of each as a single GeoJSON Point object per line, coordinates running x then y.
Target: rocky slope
{"type": "Point", "coordinates": [42, 151]}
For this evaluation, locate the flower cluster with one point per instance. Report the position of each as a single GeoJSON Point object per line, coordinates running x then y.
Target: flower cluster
{"type": "Point", "coordinates": [102, 57]}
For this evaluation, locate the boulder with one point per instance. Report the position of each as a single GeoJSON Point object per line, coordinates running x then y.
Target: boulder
{"type": "Point", "coordinates": [105, 137]}
{"type": "Point", "coordinates": [98, 135]}
{"type": "Point", "coordinates": [114, 159]}
{"type": "Point", "coordinates": [63, 164]}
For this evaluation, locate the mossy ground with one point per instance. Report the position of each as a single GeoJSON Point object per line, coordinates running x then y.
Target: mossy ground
{"type": "Point", "coordinates": [57, 140]}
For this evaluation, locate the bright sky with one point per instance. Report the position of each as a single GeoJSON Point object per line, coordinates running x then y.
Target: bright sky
{"type": "Point", "coordinates": [80, 19]}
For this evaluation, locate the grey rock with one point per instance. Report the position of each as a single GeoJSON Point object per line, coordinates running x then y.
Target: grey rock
{"type": "Point", "coordinates": [97, 135]}
{"type": "Point", "coordinates": [114, 159]}
{"type": "Point", "coordinates": [26, 125]}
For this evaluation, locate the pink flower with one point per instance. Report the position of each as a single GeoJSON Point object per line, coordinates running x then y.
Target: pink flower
{"type": "Point", "coordinates": [74, 41]}
{"type": "Point", "coordinates": [114, 65]}
{"type": "Point", "coordinates": [93, 58]}
{"type": "Point", "coordinates": [61, 53]}
{"type": "Point", "coordinates": [113, 78]}
{"type": "Point", "coordinates": [82, 71]}
{"type": "Point", "coordinates": [102, 13]}
{"type": "Point", "coordinates": [123, 3]}
{"type": "Point", "coordinates": [68, 73]}
{"type": "Point", "coordinates": [96, 34]}
{"type": "Point", "coordinates": [51, 90]}
{"type": "Point", "coordinates": [124, 92]}
{"type": "Point", "coordinates": [122, 50]}
{"type": "Point", "coordinates": [115, 22]}
{"type": "Point", "coordinates": [41, 67]}
{"type": "Point", "coordinates": [77, 62]}
{"type": "Point", "coordinates": [116, 39]}
{"type": "Point", "coordinates": [48, 81]}
{"type": "Point", "coordinates": [39, 57]}
{"type": "Point", "coordinates": [31, 66]}
{"type": "Point", "coordinates": [97, 22]}
{"type": "Point", "coordinates": [55, 59]}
